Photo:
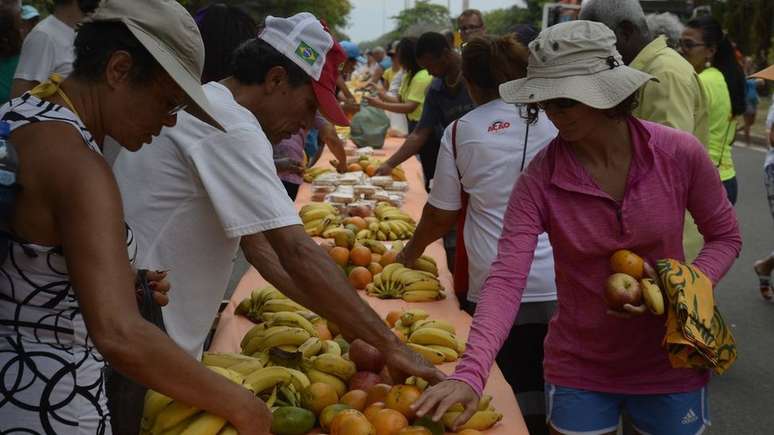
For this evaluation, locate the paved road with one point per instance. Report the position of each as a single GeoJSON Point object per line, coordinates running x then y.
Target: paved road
{"type": "Point", "coordinates": [742, 400]}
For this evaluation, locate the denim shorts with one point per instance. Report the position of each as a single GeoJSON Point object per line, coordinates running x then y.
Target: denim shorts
{"type": "Point", "coordinates": [582, 412]}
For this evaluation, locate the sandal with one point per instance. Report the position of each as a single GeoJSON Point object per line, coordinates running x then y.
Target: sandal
{"type": "Point", "coordinates": [764, 284]}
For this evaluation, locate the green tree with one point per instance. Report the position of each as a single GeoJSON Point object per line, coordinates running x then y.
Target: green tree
{"type": "Point", "coordinates": [423, 13]}
{"type": "Point", "coordinates": [500, 21]}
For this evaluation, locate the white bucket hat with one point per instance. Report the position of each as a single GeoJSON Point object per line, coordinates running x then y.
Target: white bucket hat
{"type": "Point", "coordinates": [171, 36]}
{"type": "Point", "coordinates": [575, 60]}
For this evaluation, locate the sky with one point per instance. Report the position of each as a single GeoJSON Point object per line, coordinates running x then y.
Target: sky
{"type": "Point", "coordinates": [370, 19]}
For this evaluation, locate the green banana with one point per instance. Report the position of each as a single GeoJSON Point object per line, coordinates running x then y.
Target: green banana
{"type": "Point", "coordinates": [310, 347]}
{"type": "Point", "coordinates": [422, 296]}
{"type": "Point", "coordinates": [298, 379]}
{"type": "Point", "coordinates": [290, 318]}
{"type": "Point", "coordinates": [413, 315]}
{"type": "Point", "coordinates": [331, 347]}
{"type": "Point", "coordinates": [292, 336]}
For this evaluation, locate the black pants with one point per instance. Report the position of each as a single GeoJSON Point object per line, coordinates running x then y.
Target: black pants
{"type": "Point", "coordinates": [732, 189]}
{"type": "Point", "coordinates": [521, 360]}
{"type": "Point", "coordinates": [292, 189]}
{"type": "Point", "coordinates": [428, 155]}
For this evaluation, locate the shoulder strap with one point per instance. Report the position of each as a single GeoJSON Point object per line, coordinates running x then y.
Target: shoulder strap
{"type": "Point", "coordinates": [454, 147]}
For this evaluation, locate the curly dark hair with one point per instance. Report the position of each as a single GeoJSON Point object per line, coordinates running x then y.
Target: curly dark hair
{"type": "Point", "coordinates": [624, 109]}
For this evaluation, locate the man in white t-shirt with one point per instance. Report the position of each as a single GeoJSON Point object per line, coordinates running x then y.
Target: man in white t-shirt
{"type": "Point", "coordinates": [196, 194]}
{"type": "Point", "coordinates": [48, 48]}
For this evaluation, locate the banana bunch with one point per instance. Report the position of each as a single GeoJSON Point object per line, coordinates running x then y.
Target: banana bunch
{"type": "Point", "coordinates": [163, 415]}
{"type": "Point", "coordinates": [317, 217]}
{"type": "Point", "coordinates": [330, 367]}
{"type": "Point", "coordinates": [435, 340]}
{"type": "Point", "coordinates": [270, 300]}
{"type": "Point", "coordinates": [385, 211]}
{"type": "Point", "coordinates": [341, 236]}
{"type": "Point", "coordinates": [311, 173]}
{"type": "Point", "coordinates": [262, 337]}
{"type": "Point", "coordinates": [484, 418]}
{"type": "Point", "coordinates": [399, 282]}
{"type": "Point", "coordinates": [398, 174]}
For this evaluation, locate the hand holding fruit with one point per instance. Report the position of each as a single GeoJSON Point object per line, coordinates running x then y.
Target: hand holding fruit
{"type": "Point", "coordinates": [253, 417]}
{"type": "Point", "coordinates": [443, 396]}
{"type": "Point", "coordinates": [632, 289]}
{"type": "Point", "coordinates": [384, 169]}
{"type": "Point", "coordinates": [286, 164]}
{"type": "Point", "coordinates": [407, 256]}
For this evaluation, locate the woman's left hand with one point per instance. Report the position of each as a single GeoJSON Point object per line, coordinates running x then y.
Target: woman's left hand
{"type": "Point", "coordinates": [372, 101]}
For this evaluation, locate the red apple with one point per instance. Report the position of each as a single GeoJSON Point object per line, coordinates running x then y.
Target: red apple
{"type": "Point", "coordinates": [621, 289]}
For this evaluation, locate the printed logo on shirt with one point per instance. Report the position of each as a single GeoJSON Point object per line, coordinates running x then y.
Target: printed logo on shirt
{"type": "Point", "coordinates": [498, 125]}
{"type": "Point", "coordinates": [690, 417]}
{"type": "Point", "coordinates": [307, 53]}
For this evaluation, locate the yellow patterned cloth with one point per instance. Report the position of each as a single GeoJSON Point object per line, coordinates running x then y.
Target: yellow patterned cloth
{"type": "Point", "coordinates": [696, 334]}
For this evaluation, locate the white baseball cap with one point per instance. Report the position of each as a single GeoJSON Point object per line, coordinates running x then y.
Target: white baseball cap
{"type": "Point", "coordinates": [171, 36]}
{"type": "Point", "coordinates": [306, 41]}
{"type": "Point", "coordinates": [575, 60]}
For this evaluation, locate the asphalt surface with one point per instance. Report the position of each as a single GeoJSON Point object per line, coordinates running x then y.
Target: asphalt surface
{"type": "Point", "coordinates": [740, 398]}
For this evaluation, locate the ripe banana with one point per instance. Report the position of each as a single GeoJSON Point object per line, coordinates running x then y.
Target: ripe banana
{"type": "Point", "coordinates": [315, 214]}
{"type": "Point", "coordinates": [267, 377]}
{"type": "Point", "coordinates": [449, 354]}
{"type": "Point", "coordinates": [413, 315]}
{"type": "Point", "coordinates": [481, 420]}
{"type": "Point", "coordinates": [318, 376]}
{"type": "Point", "coordinates": [251, 342]}
{"type": "Point", "coordinates": [389, 270]}
{"type": "Point", "coordinates": [423, 264]}
{"type": "Point", "coordinates": [654, 299]}
{"type": "Point", "coordinates": [247, 367]}
{"type": "Point", "coordinates": [433, 323]}
{"type": "Point", "coordinates": [155, 402]}
{"type": "Point", "coordinates": [228, 430]}
{"type": "Point", "coordinates": [315, 205]}
{"type": "Point", "coordinates": [292, 336]}
{"type": "Point", "coordinates": [331, 347]}
{"type": "Point", "coordinates": [431, 355]}
{"type": "Point", "coordinates": [244, 307]}
{"type": "Point", "coordinates": [229, 374]}
{"type": "Point", "coordinates": [290, 318]}
{"type": "Point", "coordinates": [427, 284]}
{"type": "Point", "coordinates": [310, 347]}
{"type": "Point", "coordinates": [436, 336]}
{"type": "Point", "coordinates": [172, 415]}
{"type": "Point", "coordinates": [334, 365]}
{"type": "Point", "coordinates": [484, 402]}
{"type": "Point", "coordinates": [205, 424]}
{"type": "Point", "coordinates": [279, 305]}
{"type": "Point", "coordinates": [223, 359]}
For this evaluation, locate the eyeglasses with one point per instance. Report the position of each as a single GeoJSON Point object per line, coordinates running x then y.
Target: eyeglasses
{"type": "Point", "coordinates": [557, 104]}
{"type": "Point", "coordinates": [466, 29]}
{"type": "Point", "coordinates": [177, 108]}
{"type": "Point", "coordinates": [688, 44]}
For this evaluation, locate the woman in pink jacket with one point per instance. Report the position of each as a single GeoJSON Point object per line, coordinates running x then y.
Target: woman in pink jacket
{"type": "Point", "coordinates": [608, 181]}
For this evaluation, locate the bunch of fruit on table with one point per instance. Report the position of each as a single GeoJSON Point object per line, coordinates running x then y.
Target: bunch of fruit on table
{"type": "Point", "coordinates": [434, 339]}
{"type": "Point", "coordinates": [311, 173]}
{"type": "Point", "coordinates": [371, 266]}
{"type": "Point", "coordinates": [628, 284]}
{"type": "Point", "coordinates": [369, 165]}
{"type": "Point", "coordinates": [321, 219]}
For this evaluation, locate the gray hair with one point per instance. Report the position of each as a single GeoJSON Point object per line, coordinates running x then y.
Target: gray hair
{"type": "Point", "coordinates": [377, 49]}
{"type": "Point", "coordinates": [666, 24]}
{"type": "Point", "coordinates": [613, 12]}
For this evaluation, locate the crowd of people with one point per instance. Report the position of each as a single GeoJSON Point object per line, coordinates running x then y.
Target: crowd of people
{"type": "Point", "coordinates": [623, 122]}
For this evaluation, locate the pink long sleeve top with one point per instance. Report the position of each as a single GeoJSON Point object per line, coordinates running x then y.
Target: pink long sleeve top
{"type": "Point", "coordinates": [586, 348]}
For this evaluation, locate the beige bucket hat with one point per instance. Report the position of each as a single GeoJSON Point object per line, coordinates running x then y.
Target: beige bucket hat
{"type": "Point", "coordinates": [576, 60]}
{"type": "Point", "coordinates": [766, 73]}
{"type": "Point", "coordinates": [170, 34]}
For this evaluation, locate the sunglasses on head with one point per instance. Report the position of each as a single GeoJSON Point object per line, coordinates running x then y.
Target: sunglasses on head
{"type": "Point", "coordinates": [557, 103]}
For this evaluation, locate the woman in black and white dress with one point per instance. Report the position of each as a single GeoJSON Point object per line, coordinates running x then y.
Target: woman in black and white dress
{"type": "Point", "coordinates": [67, 299]}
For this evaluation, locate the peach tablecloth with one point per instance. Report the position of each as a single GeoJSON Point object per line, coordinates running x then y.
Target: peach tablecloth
{"type": "Point", "coordinates": [231, 328]}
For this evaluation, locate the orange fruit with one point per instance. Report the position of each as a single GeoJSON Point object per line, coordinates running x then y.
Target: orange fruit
{"type": "Point", "coordinates": [388, 258]}
{"type": "Point", "coordinates": [401, 397]}
{"type": "Point", "coordinates": [625, 261]}
{"type": "Point", "coordinates": [378, 393]}
{"type": "Point", "coordinates": [360, 277]}
{"type": "Point", "coordinates": [357, 221]}
{"type": "Point", "coordinates": [373, 409]}
{"type": "Point", "coordinates": [356, 399]}
{"type": "Point", "coordinates": [322, 330]}
{"type": "Point", "coordinates": [389, 422]}
{"type": "Point", "coordinates": [318, 396]}
{"type": "Point", "coordinates": [375, 258]}
{"type": "Point", "coordinates": [417, 430]}
{"type": "Point", "coordinates": [351, 422]}
{"type": "Point", "coordinates": [340, 255]}
{"type": "Point", "coordinates": [327, 415]}
{"type": "Point", "coordinates": [370, 170]}
{"type": "Point", "coordinates": [354, 167]}
{"type": "Point", "coordinates": [468, 432]}
{"type": "Point", "coordinates": [393, 316]}
{"type": "Point", "coordinates": [360, 256]}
